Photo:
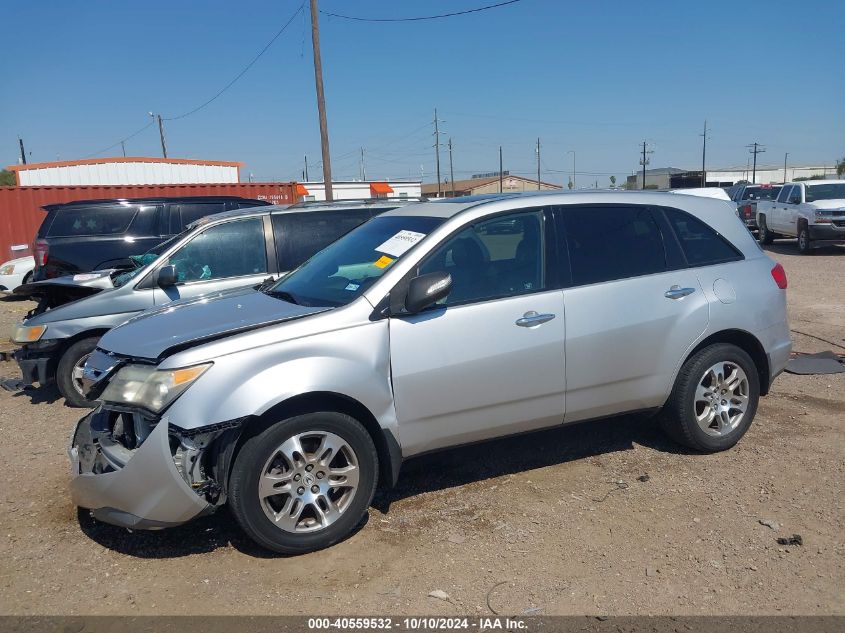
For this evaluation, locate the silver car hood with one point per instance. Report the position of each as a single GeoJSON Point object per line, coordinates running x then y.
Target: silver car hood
{"type": "Point", "coordinates": [182, 324]}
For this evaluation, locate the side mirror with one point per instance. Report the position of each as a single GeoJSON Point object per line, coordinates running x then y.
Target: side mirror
{"type": "Point", "coordinates": [427, 290]}
{"type": "Point", "coordinates": [167, 276]}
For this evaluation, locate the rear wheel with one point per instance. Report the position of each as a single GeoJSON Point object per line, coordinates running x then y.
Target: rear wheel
{"type": "Point", "coordinates": [805, 244]}
{"type": "Point", "coordinates": [304, 483]}
{"type": "Point", "coordinates": [764, 235]}
{"type": "Point", "coordinates": [69, 372]}
{"type": "Point", "coordinates": [714, 399]}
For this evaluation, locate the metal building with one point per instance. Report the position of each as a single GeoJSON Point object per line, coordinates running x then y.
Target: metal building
{"type": "Point", "coordinates": [127, 171]}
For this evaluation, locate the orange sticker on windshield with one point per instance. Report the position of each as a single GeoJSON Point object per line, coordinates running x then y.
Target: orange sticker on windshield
{"type": "Point", "coordinates": [383, 262]}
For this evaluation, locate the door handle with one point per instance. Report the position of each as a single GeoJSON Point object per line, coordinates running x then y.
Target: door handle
{"type": "Point", "coordinates": [676, 292]}
{"type": "Point", "coordinates": [532, 318]}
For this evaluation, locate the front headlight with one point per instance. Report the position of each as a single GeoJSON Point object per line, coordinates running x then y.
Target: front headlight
{"type": "Point", "coordinates": [150, 388]}
{"type": "Point", "coordinates": [8, 269]}
{"type": "Point", "coordinates": [27, 333]}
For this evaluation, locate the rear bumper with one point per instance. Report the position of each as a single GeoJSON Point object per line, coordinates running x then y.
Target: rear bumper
{"type": "Point", "coordinates": [146, 491]}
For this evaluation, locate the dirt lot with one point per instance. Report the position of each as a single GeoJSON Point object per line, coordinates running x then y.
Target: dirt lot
{"type": "Point", "coordinates": [537, 524]}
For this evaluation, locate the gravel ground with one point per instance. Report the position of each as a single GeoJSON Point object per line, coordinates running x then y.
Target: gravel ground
{"type": "Point", "coordinates": [556, 522]}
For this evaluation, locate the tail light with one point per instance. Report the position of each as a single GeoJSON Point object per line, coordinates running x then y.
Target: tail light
{"type": "Point", "coordinates": [779, 275]}
{"type": "Point", "coordinates": [42, 249]}
{"type": "Point", "coordinates": [747, 210]}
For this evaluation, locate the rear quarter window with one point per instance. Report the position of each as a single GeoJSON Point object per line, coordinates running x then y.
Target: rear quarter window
{"type": "Point", "coordinates": [702, 245]}
{"type": "Point", "coordinates": [88, 221]}
{"type": "Point", "coordinates": [301, 235]}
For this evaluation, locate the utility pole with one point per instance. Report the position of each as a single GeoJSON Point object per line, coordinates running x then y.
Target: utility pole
{"type": "Point", "coordinates": [123, 147]}
{"type": "Point", "coordinates": [785, 156]}
{"type": "Point", "coordinates": [755, 148]}
{"type": "Point", "coordinates": [363, 167]}
{"type": "Point", "coordinates": [321, 102]}
{"type": "Point", "coordinates": [305, 171]}
{"type": "Point", "coordinates": [437, 149]}
{"type": "Point", "coordinates": [538, 163]}
{"type": "Point", "coordinates": [704, 155]}
{"type": "Point", "coordinates": [645, 160]}
{"type": "Point", "coordinates": [23, 152]}
{"type": "Point", "coordinates": [501, 177]}
{"type": "Point", "coordinates": [161, 135]}
{"type": "Point", "coordinates": [451, 172]}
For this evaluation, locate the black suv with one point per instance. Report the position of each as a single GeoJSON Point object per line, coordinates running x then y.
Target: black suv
{"type": "Point", "coordinates": [86, 235]}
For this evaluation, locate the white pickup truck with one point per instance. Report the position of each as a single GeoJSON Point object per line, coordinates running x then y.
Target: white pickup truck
{"type": "Point", "coordinates": [813, 211]}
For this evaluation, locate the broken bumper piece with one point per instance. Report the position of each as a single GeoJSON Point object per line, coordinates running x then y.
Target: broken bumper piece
{"type": "Point", "coordinates": [138, 489]}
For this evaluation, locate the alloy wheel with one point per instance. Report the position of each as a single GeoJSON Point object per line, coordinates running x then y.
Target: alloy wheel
{"type": "Point", "coordinates": [308, 482]}
{"type": "Point", "coordinates": [76, 374]}
{"type": "Point", "coordinates": [721, 398]}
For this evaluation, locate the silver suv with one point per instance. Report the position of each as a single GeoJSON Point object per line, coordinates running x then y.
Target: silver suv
{"type": "Point", "coordinates": [432, 325]}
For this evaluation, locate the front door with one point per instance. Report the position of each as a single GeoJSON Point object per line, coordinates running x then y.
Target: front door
{"type": "Point", "coordinates": [224, 256]}
{"type": "Point", "coordinates": [489, 359]}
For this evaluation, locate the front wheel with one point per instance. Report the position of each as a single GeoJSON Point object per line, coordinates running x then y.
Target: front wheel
{"type": "Point", "coordinates": [805, 245]}
{"type": "Point", "coordinates": [69, 372]}
{"type": "Point", "coordinates": [714, 399]}
{"type": "Point", "coordinates": [764, 235]}
{"type": "Point", "coordinates": [304, 483]}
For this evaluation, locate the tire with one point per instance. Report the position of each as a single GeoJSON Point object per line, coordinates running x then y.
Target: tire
{"type": "Point", "coordinates": [69, 363]}
{"type": "Point", "coordinates": [679, 417]}
{"type": "Point", "coordinates": [27, 278]}
{"type": "Point", "coordinates": [805, 244]}
{"type": "Point", "coordinates": [764, 235]}
{"type": "Point", "coordinates": [267, 456]}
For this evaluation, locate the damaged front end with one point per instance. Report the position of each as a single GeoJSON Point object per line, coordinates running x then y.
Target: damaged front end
{"type": "Point", "coordinates": [137, 471]}
{"type": "Point", "coordinates": [52, 293]}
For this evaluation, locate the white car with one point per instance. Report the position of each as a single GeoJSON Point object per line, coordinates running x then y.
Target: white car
{"type": "Point", "coordinates": [16, 272]}
{"type": "Point", "coordinates": [812, 211]}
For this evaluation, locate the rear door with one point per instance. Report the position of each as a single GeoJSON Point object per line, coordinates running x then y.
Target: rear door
{"type": "Point", "coordinates": [633, 309]}
{"type": "Point", "coordinates": [228, 255]}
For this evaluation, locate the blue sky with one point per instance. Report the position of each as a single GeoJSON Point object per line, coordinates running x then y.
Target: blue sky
{"type": "Point", "coordinates": [596, 78]}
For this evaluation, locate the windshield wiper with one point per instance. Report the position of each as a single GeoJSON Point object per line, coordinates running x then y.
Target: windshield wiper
{"type": "Point", "coordinates": [283, 295]}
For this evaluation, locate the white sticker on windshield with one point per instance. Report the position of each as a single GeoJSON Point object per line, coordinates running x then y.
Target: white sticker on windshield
{"type": "Point", "coordinates": [352, 287]}
{"type": "Point", "coordinates": [399, 243]}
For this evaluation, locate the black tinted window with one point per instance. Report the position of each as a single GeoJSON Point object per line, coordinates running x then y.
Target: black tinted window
{"type": "Point", "coordinates": [301, 235]}
{"type": "Point", "coordinates": [84, 221]}
{"type": "Point", "coordinates": [701, 244]}
{"type": "Point", "coordinates": [501, 257]}
{"type": "Point", "coordinates": [784, 193]}
{"type": "Point", "coordinates": [607, 243]}
{"type": "Point", "coordinates": [182, 215]}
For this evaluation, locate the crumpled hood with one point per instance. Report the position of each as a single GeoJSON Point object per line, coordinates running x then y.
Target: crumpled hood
{"type": "Point", "coordinates": [185, 323]}
{"type": "Point", "coordinates": [52, 293]}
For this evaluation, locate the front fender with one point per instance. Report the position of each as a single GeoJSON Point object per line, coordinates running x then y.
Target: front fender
{"type": "Point", "coordinates": [353, 362]}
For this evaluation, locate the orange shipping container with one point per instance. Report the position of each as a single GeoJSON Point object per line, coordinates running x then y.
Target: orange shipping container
{"type": "Point", "coordinates": [21, 213]}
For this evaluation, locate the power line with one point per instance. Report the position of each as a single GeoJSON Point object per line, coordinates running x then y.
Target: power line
{"type": "Point", "coordinates": [420, 18]}
{"type": "Point", "coordinates": [245, 69]}
{"type": "Point", "coordinates": [123, 140]}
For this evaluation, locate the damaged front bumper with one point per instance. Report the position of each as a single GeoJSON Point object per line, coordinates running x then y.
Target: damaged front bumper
{"type": "Point", "coordinates": [139, 488]}
{"type": "Point", "coordinates": [37, 362]}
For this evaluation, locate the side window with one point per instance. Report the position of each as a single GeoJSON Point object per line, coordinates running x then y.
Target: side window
{"type": "Point", "coordinates": [784, 194]}
{"type": "Point", "coordinates": [183, 214]}
{"type": "Point", "coordinates": [233, 249]}
{"type": "Point", "coordinates": [501, 257]}
{"type": "Point", "coordinates": [612, 242]}
{"type": "Point", "coordinates": [301, 235]}
{"type": "Point", "coordinates": [794, 195]}
{"type": "Point", "coordinates": [145, 222]}
{"type": "Point", "coordinates": [702, 245]}
{"type": "Point", "coordinates": [98, 220]}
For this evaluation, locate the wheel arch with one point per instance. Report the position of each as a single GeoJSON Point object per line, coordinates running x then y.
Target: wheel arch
{"type": "Point", "coordinates": [387, 447]}
{"type": "Point", "coordinates": [746, 342]}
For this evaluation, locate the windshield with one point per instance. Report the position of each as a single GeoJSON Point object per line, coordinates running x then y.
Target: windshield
{"type": "Point", "coordinates": [761, 193]}
{"type": "Point", "coordinates": [343, 270]}
{"type": "Point", "coordinates": [139, 261]}
{"type": "Point", "coordinates": [826, 191]}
